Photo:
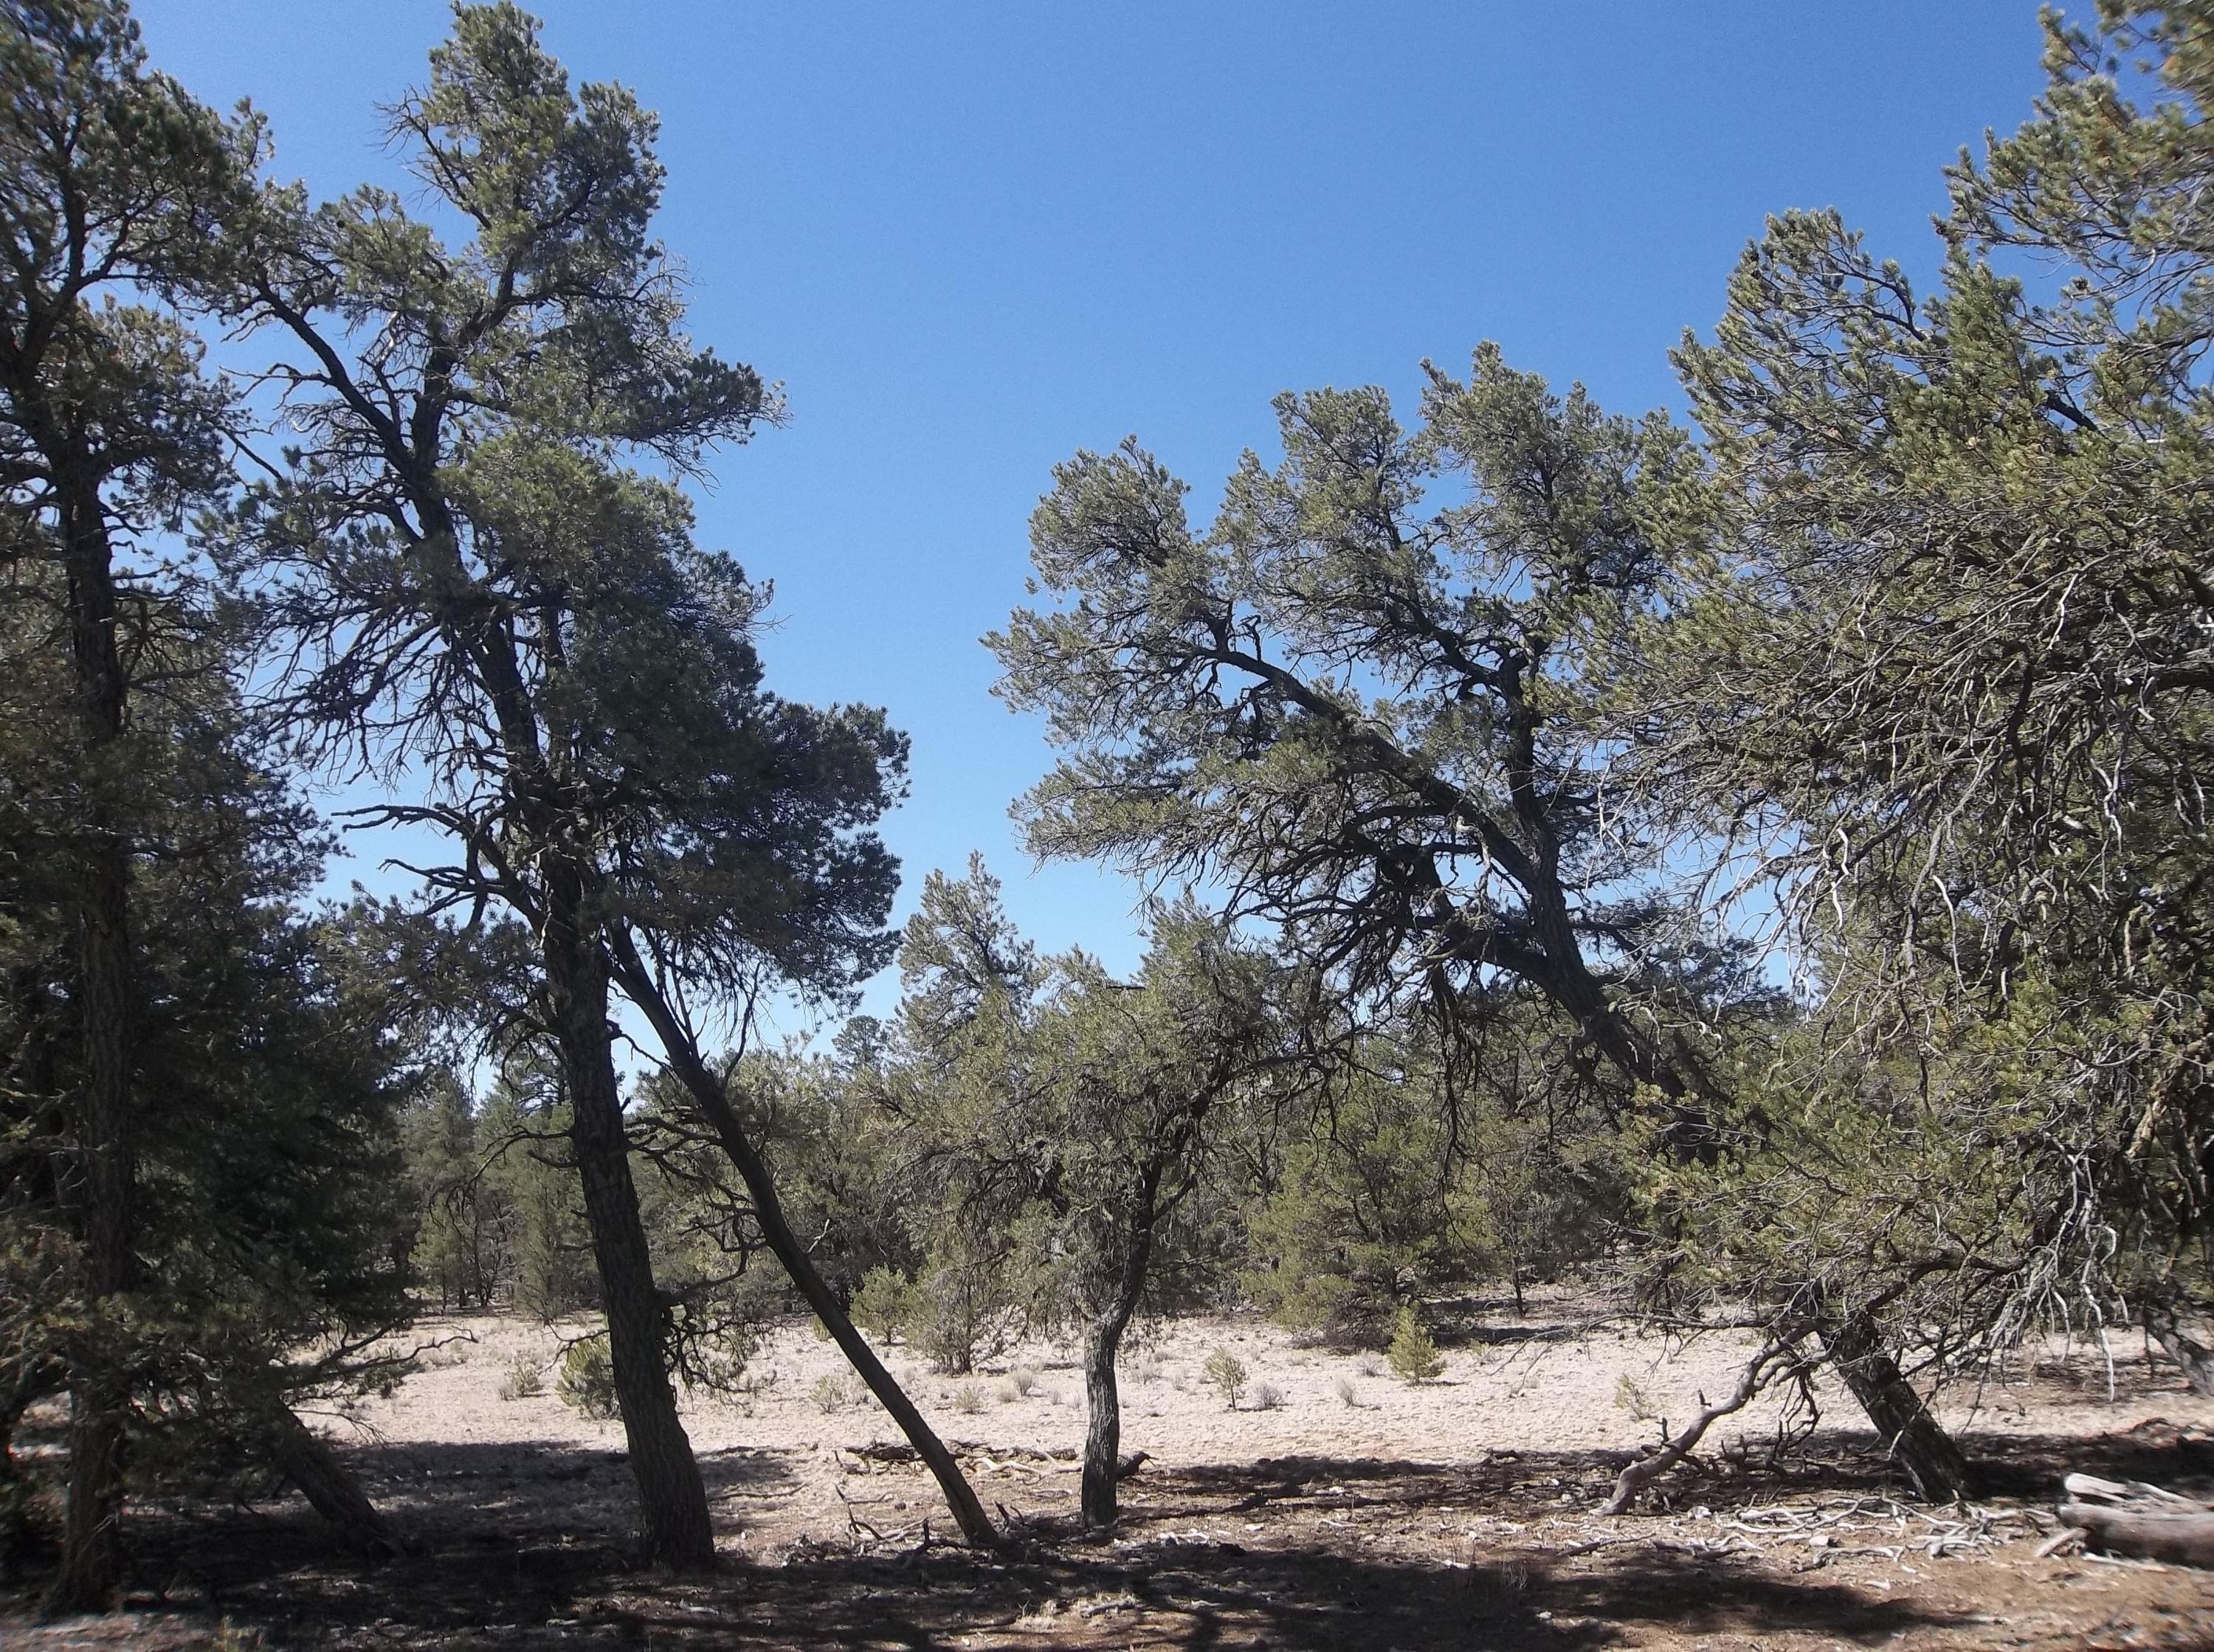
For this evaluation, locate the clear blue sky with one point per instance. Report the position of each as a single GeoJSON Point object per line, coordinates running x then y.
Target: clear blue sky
{"type": "Point", "coordinates": [970, 239]}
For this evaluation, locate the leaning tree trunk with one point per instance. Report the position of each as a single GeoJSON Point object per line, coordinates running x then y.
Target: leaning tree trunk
{"type": "Point", "coordinates": [91, 1538]}
{"type": "Point", "coordinates": [1932, 1458]}
{"type": "Point", "coordinates": [1103, 1433]}
{"type": "Point", "coordinates": [672, 1497]}
{"type": "Point", "coordinates": [305, 1458]}
{"type": "Point", "coordinates": [707, 1094]}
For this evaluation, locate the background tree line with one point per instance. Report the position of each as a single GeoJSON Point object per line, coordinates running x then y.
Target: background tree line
{"type": "Point", "coordinates": [1759, 868]}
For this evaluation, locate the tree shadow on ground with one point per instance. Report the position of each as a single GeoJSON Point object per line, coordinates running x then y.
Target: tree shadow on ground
{"type": "Point", "coordinates": [1294, 1597]}
{"type": "Point", "coordinates": [489, 1532]}
{"type": "Point", "coordinates": [529, 1544]}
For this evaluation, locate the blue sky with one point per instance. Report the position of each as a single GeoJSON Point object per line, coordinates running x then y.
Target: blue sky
{"type": "Point", "coordinates": [972, 239]}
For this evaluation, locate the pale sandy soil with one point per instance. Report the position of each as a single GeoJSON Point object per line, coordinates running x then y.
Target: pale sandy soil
{"type": "Point", "coordinates": [1525, 1393]}
{"type": "Point", "coordinates": [1459, 1514]}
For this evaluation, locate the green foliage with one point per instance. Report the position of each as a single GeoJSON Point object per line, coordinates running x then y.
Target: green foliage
{"type": "Point", "coordinates": [587, 1380]}
{"type": "Point", "coordinates": [1407, 1168]}
{"type": "Point", "coordinates": [1225, 1373]}
{"type": "Point", "coordinates": [527, 1189]}
{"type": "Point", "coordinates": [1948, 668]}
{"type": "Point", "coordinates": [1370, 1206]}
{"type": "Point", "coordinates": [966, 1311]}
{"type": "Point", "coordinates": [835, 1392]}
{"type": "Point", "coordinates": [885, 1305]}
{"type": "Point", "coordinates": [1066, 1118]}
{"type": "Point", "coordinates": [267, 1198]}
{"type": "Point", "coordinates": [1413, 1357]}
{"type": "Point", "coordinates": [1376, 717]}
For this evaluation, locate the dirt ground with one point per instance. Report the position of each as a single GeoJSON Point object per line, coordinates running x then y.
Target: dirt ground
{"type": "Point", "coordinates": [1339, 1508]}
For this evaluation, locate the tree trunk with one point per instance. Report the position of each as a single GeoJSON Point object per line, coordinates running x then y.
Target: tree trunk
{"type": "Point", "coordinates": [707, 1091]}
{"type": "Point", "coordinates": [2196, 1360]}
{"type": "Point", "coordinates": [1103, 1433]}
{"type": "Point", "coordinates": [305, 1458]}
{"type": "Point", "coordinates": [672, 1497]}
{"type": "Point", "coordinates": [92, 1540]}
{"type": "Point", "coordinates": [1933, 1461]}
{"type": "Point", "coordinates": [92, 1527]}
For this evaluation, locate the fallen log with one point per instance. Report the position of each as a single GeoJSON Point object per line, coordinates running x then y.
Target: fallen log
{"type": "Point", "coordinates": [2132, 1518]}
{"type": "Point", "coordinates": [2186, 1539]}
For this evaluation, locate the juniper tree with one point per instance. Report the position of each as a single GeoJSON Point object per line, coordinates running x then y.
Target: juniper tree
{"type": "Point", "coordinates": [1073, 1115]}
{"type": "Point", "coordinates": [1407, 1163]}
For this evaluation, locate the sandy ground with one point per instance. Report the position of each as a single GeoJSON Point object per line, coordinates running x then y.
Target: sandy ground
{"type": "Point", "coordinates": [1356, 1512]}
{"type": "Point", "coordinates": [1532, 1387]}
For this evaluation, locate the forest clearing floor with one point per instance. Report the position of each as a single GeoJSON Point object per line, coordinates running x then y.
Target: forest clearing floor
{"type": "Point", "coordinates": [1356, 1512]}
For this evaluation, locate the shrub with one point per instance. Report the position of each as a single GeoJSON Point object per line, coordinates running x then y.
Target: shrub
{"type": "Point", "coordinates": [525, 1380]}
{"type": "Point", "coordinates": [1630, 1397]}
{"type": "Point", "coordinates": [966, 1400]}
{"type": "Point", "coordinates": [1348, 1394]}
{"type": "Point", "coordinates": [962, 1313]}
{"type": "Point", "coordinates": [1267, 1396]}
{"type": "Point", "coordinates": [587, 1382]}
{"type": "Point", "coordinates": [1414, 1357]}
{"type": "Point", "coordinates": [1226, 1373]}
{"type": "Point", "coordinates": [835, 1392]}
{"type": "Point", "coordinates": [884, 1305]}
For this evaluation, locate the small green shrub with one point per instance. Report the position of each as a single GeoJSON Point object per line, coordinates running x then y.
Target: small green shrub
{"type": "Point", "coordinates": [587, 1382]}
{"type": "Point", "coordinates": [835, 1392]}
{"type": "Point", "coordinates": [885, 1305]}
{"type": "Point", "coordinates": [966, 1400]}
{"type": "Point", "coordinates": [1226, 1373]}
{"type": "Point", "coordinates": [1414, 1357]}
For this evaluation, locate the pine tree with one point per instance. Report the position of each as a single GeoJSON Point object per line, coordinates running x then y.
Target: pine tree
{"type": "Point", "coordinates": [114, 185]}
{"type": "Point", "coordinates": [548, 644]}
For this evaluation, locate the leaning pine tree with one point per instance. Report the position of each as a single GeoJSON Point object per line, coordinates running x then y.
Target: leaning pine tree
{"type": "Point", "coordinates": [1386, 727]}
{"type": "Point", "coordinates": [475, 583]}
{"type": "Point", "coordinates": [1951, 666]}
